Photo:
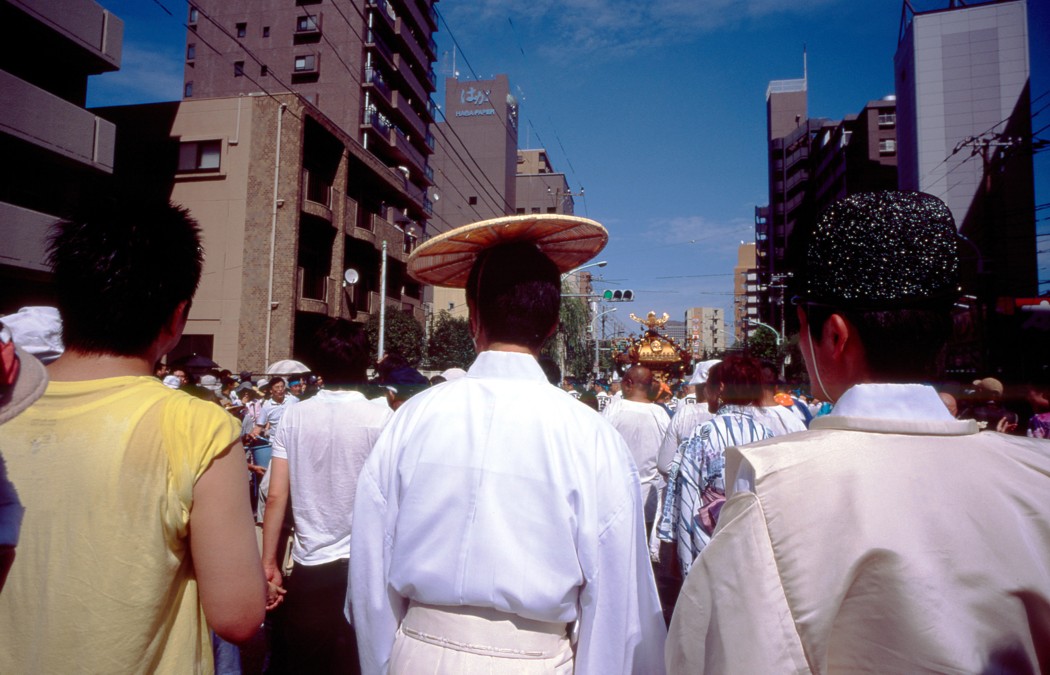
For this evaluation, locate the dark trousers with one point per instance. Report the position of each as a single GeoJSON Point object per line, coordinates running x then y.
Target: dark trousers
{"type": "Point", "coordinates": [310, 633]}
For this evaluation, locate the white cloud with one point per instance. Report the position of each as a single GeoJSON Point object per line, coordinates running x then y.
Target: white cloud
{"type": "Point", "coordinates": [618, 27]}
{"type": "Point", "coordinates": [146, 76]}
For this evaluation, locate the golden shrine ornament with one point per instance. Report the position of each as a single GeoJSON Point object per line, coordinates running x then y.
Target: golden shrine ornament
{"type": "Point", "coordinates": [659, 353]}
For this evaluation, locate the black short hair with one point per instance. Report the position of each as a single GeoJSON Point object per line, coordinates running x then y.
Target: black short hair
{"type": "Point", "coordinates": [516, 292]}
{"type": "Point", "coordinates": [120, 272]}
{"type": "Point", "coordinates": [341, 352]}
{"type": "Point", "coordinates": [900, 345]}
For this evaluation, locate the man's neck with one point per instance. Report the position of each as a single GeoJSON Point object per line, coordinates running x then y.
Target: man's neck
{"type": "Point", "coordinates": [508, 347]}
{"type": "Point", "coordinates": [75, 366]}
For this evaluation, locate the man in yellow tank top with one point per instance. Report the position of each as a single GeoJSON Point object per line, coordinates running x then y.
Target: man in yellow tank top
{"type": "Point", "coordinates": [137, 533]}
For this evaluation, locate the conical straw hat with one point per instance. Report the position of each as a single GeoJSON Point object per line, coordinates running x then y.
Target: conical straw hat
{"type": "Point", "coordinates": [445, 260]}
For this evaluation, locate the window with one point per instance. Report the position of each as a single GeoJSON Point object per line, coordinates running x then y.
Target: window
{"type": "Point", "coordinates": [306, 24]}
{"type": "Point", "coordinates": [535, 209]}
{"type": "Point", "coordinates": [305, 64]}
{"type": "Point", "coordinates": [187, 91]}
{"type": "Point", "coordinates": [263, 70]}
{"type": "Point", "coordinates": [238, 69]}
{"type": "Point", "coordinates": [199, 156]}
{"type": "Point", "coordinates": [552, 209]}
{"type": "Point", "coordinates": [472, 201]}
{"type": "Point", "coordinates": [193, 14]}
{"type": "Point", "coordinates": [887, 146]}
{"type": "Point", "coordinates": [242, 30]}
{"type": "Point", "coordinates": [887, 119]}
{"type": "Point", "coordinates": [191, 51]}
{"type": "Point", "coordinates": [266, 31]}
{"type": "Point", "coordinates": [520, 210]}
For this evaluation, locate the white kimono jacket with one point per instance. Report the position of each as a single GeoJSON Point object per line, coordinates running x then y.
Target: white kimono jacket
{"type": "Point", "coordinates": [497, 490]}
{"type": "Point", "coordinates": [887, 538]}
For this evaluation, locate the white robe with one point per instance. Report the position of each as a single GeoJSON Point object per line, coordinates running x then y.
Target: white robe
{"type": "Point", "coordinates": [888, 537]}
{"type": "Point", "coordinates": [642, 426]}
{"type": "Point", "coordinates": [496, 490]}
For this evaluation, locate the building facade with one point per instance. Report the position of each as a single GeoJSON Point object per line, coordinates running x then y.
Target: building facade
{"type": "Point", "coordinates": [812, 163]}
{"type": "Point", "coordinates": [367, 68]}
{"type": "Point", "coordinates": [539, 188]}
{"type": "Point", "coordinates": [474, 161]}
{"type": "Point", "coordinates": [290, 206]}
{"type": "Point", "coordinates": [56, 153]}
{"type": "Point", "coordinates": [965, 129]}
{"type": "Point", "coordinates": [745, 291]}
{"type": "Point", "coordinates": [705, 332]}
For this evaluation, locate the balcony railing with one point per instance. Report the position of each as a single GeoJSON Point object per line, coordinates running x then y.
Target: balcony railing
{"type": "Point", "coordinates": [374, 76]}
{"type": "Point", "coordinates": [383, 8]}
{"type": "Point", "coordinates": [378, 121]}
{"type": "Point", "coordinates": [380, 45]}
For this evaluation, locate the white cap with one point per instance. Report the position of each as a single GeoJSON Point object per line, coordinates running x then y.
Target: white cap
{"type": "Point", "coordinates": [453, 374]}
{"type": "Point", "coordinates": [38, 331]}
{"type": "Point", "coordinates": [702, 370]}
{"type": "Point", "coordinates": [172, 381]}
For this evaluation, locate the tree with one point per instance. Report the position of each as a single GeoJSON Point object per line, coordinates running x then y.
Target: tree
{"type": "Point", "coordinates": [570, 346]}
{"type": "Point", "coordinates": [761, 343]}
{"type": "Point", "coordinates": [403, 335]}
{"type": "Point", "coordinates": [450, 345]}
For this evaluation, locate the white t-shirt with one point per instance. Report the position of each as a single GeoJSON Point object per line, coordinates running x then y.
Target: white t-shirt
{"type": "Point", "coordinates": [326, 441]}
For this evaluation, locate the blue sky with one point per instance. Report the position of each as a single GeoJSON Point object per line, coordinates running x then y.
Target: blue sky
{"type": "Point", "coordinates": [656, 109]}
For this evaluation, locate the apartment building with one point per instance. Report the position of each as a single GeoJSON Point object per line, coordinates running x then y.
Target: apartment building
{"type": "Point", "coordinates": [55, 152]}
{"type": "Point", "coordinates": [367, 66]}
{"type": "Point", "coordinates": [291, 207]}
{"type": "Point", "coordinates": [705, 332]}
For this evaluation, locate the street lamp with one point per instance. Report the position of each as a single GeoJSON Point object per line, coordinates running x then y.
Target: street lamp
{"type": "Point", "coordinates": [776, 334]}
{"type": "Point", "coordinates": [583, 267]}
{"type": "Point", "coordinates": [779, 339]}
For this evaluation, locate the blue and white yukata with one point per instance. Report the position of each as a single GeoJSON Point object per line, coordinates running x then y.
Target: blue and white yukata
{"type": "Point", "coordinates": [700, 464]}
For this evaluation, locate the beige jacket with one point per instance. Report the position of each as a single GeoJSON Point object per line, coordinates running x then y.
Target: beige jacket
{"type": "Point", "coordinates": [887, 538]}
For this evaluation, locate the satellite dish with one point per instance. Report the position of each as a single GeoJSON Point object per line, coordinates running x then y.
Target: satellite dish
{"type": "Point", "coordinates": [350, 276]}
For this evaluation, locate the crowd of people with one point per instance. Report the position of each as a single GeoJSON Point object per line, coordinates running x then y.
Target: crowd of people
{"type": "Point", "coordinates": [483, 520]}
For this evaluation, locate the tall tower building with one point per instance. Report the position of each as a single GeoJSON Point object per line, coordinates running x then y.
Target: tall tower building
{"type": "Point", "coordinates": [476, 154]}
{"type": "Point", "coordinates": [964, 133]}
{"type": "Point", "coordinates": [367, 66]}
{"type": "Point", "coordinates": [789, 133]}
{"type": "Point", "coordinates": [745, 290]}
{"type": "Point", "coordinates": [475, 163]}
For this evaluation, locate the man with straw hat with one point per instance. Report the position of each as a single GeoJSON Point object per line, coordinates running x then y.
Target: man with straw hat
{"type": "Point", "coordinates": [890, 536]}
{"type": "Point", "coordinates": [498, 524]}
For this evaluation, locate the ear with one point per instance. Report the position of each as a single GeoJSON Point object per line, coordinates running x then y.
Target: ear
{"type": "Point", "coordinates": [837, 337]}
{"type": "Point", "coordinates": [171, 330]}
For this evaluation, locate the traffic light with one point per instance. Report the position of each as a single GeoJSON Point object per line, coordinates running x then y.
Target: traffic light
{"type": "Point", "coordinates": [618, 295]}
